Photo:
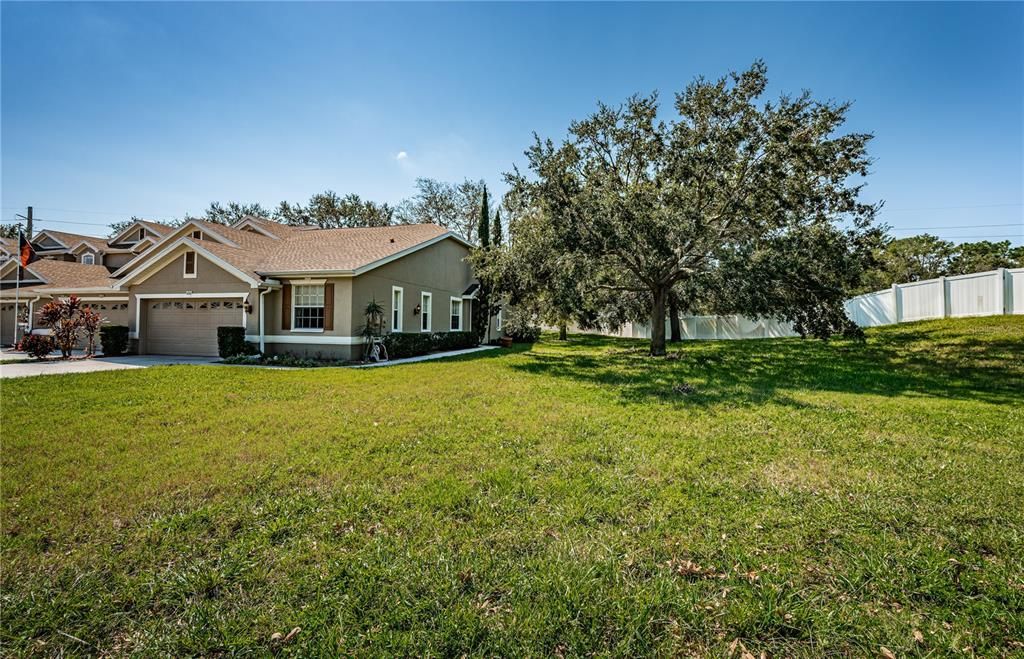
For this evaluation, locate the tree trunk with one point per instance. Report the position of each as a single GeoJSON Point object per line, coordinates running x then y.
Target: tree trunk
{"type": "Point", "coordinates": [563, 331]}
{"type": "Point", "coordinates": [673, 317]}
{"type": "Point", "coordinates": [658, 322]}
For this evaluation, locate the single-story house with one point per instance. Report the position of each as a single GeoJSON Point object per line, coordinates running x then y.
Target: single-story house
{"type": "Point", "coordinates": [301, 290]}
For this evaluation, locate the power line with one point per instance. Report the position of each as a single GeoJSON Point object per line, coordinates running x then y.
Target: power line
{"type": "Point", "coordinates": [943, 208]}
{"type": "Point", "coordinates": [71, 210]}
{"type": "Point", "coordinates": [962, 226]}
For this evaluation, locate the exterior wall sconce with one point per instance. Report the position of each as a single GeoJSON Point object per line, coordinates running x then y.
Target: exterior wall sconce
{"type": "Point", "coordinates": [416, 310]}
{"type": "Point", "coordinates": [247, 305]}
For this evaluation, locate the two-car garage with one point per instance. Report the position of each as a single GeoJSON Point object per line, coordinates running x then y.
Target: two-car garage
{"type": "Point", "coordinates": [187, 326]}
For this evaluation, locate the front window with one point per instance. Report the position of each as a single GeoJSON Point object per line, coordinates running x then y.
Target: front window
{"type": "Point", "coordinates": [425, 304]}
{"type": "Point", "coordinates": [456, 315]}
{"type": "Point", "coordinates": [308, 307]}
{"type": "Point", "coordinates": [499, 320]}
{"type": "Point", "coordinates": [396, 309]}
{"type": "Point", "coordinates": [88, 259]}
{"type": "Point", "coordinates": [190, 264]}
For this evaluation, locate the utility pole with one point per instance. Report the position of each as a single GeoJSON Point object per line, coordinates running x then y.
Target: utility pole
{"type": "Point", "coordinates": [28, 222]}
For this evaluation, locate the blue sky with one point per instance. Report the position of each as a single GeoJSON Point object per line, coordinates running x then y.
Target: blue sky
{"type": "Point", "coordinates": [110, 110]}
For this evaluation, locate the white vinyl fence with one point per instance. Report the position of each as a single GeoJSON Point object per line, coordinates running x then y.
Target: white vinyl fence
{"type": "Point", "coordinates": [992, 293]}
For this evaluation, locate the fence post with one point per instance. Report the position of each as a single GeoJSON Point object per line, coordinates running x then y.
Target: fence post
{"type": "Point", "coordinates": [1004, 287]}
{"type": "Point", "coordinates": [897, 304]}
{"type": "Point", "coordinates": [945, 296]}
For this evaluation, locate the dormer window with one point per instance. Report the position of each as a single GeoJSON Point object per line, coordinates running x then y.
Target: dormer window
{"type": "Point", "coordinates": [89, 259]}
{"type": "Point", "coordinates": [197, 235]}
{"type": "Point", "coordinates": [190, 265]}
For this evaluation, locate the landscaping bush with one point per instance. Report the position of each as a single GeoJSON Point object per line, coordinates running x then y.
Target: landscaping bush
{"type": "Point", "coordinates": [520, 326]}
{"type": "Point", "coordinates": [114, 339]}
{"type": "Point", "coordinates": [231, 342]}
{"type": "Point", "coordinates": [413, 344]}
{"type": "Point", "coordinates": [36, 345]}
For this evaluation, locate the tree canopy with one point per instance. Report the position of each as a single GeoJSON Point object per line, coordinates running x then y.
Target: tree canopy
{"type": "Point", "coordinates": [455, 206]}
{"type": "Point", "coordinates": [717, 202]}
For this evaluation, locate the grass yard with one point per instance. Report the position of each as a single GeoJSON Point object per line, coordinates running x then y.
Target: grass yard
{"type": "Point", "coordinates": [806, 498]}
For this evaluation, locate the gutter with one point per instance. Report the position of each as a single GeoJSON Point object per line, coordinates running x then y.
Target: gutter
{"type": "Point", "coordinates": [271, 285]}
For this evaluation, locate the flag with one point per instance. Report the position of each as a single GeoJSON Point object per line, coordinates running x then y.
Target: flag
{"type": "Point", "coordinates": [26, 254]}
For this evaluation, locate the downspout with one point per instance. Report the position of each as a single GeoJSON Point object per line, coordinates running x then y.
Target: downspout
{"type": "Point", "coordinates": [262, 315]}
{"type": "Point", "coordinates": [31, 313]}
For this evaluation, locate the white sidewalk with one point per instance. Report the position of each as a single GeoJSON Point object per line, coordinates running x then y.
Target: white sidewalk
{"type": "Point", "coordinates": [423, 358]}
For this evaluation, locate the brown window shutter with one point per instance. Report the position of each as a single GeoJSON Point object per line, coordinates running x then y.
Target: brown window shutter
{"type": "Point", "coordinates": [329, 307]}
{"type": "Point", "coordinates": [286, 307]}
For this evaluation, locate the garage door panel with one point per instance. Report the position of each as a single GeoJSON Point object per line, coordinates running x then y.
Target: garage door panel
{"type": "Point", "coordinates": [188, 326]}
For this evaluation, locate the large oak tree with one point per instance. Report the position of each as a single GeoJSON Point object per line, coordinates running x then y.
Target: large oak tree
{"type": "Point", "coordinates": [645, 206]}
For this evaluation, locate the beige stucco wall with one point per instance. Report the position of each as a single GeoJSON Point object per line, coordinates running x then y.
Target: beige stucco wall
{"type": "Point", "coordinates": [440, 270]}
{"type": "Point", "coordinates": [115, 261]}
{"type": "Point", "coordinates": [210, 278]}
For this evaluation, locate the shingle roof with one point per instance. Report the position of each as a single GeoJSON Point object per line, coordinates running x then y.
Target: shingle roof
{"type": "Point", "coordinates": [159, 228]}
{"type": "Point", "coordinates": [316, 250]}
{"type": "Point", "coordinates": [73, 239]}
{"type": "Point", "coordinates": [71, 274]}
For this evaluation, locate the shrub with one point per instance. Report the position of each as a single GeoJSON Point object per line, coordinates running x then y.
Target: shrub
{"type": "Point", "coordinates": [64, 318]}
{"type": "Point", "coordinates": [231, 342]}
{"type": "Point", "coordinates": [522, 327]}
{"type": "Point", "coordinates": [114, 339]}
{"type": "Point", "coordinates": [90, 322]}
{"type": "Point", "coordinates": [36, 345]}
{"type": "Point", "coordinates": [407, 344]}
{"type": "Point", "coordinates": [414, 344]}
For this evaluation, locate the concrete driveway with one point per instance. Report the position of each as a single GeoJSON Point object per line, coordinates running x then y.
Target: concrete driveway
{"type": "Point", "coordinates": [56, 367]}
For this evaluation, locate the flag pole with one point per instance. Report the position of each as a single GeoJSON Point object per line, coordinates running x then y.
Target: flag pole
{"type": "Point", "coordinates": [17, 296]}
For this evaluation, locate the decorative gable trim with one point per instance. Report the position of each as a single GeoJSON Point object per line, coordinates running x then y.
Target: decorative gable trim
{"type": "Point", "coordinates": [183, 230]}
{"type": "Point", "coordinates": [160, 260]}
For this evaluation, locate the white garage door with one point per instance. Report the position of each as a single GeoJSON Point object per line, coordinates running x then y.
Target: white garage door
{"type": "Point", "coordinates": [188, 326]}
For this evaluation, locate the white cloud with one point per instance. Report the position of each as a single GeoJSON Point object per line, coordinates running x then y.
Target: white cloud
{"type": "Point", "coordinates": [402, 155]}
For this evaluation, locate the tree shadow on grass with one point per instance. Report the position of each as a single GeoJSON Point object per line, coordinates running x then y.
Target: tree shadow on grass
{"type": "Point", "coordinates": [946, 361]}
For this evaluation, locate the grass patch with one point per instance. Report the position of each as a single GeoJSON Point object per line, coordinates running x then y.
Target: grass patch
{"type": "Point", "coordinates": [572, 498]}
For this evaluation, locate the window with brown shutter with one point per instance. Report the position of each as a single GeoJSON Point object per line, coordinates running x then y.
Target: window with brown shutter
{"type": "Point", "coordinates": [286, 307]}
{"type": "Point", "coordinates": [329, 307]}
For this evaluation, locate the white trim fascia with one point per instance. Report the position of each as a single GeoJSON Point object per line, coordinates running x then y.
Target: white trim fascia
{"type": "Point", "coordinates": [128, 229]}
{"type": "Point", "coordinates": [174, 296]}
{"type": "Point", "coordinates": [46, 233]}
{"type": "Point", "coordinates": [76, 291]}
{"type": "Point", "coordinates": [325, 340]}
{"type": "Point", "coordinates": [201, 250]}
{"type": "Point", "coordinates": [92, 248]}
{"type": "Point", "coordinates": [166, 239]}
{"type": "Point", "coordinates": [250, 222]}
{"type": "Point", "coordinates": [305, 281]}
{"type": "Point", "coordinates": [27, 268]}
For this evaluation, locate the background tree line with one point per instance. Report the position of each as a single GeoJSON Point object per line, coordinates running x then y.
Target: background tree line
{"type": "Point", "coordinates": [455, 206]}
{"type": "Point", "coordinates": [915, 258]}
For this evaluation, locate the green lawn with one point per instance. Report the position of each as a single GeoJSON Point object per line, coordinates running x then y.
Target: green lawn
{"type": "Point", "coordinates": [806, 498]}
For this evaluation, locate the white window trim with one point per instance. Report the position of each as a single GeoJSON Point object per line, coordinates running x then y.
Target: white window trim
{"type": "Point", "coordinates": [397, 327]}
{"type": "Point", "coordinates": [90, 256]}
{"type": "Point", "coordinates": [309, 330]}
{"type": "Point", "coordinates": [498, 328]}
{"type": "Point", "coordinates": [194, 236]}
{"type": "Point", "coordinates": [427, 311]}
{"type": "Point", "coordinates": [451, 307]}
{"type": "Point", "coordinates": [184, 265]}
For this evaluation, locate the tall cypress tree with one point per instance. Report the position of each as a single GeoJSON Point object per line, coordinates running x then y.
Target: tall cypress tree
{"type": "Point", "coordinates": [483, 230]}
{"type": "Point", "coordinates": [496, 234]}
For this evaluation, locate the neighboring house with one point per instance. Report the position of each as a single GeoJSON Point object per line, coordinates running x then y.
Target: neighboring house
{"type": "Point", "coordinates": [294, 289]}
{"type": "Point", "coordinates": [111, 253]}
{"type": "Point", "coordinates": [49, 278]}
